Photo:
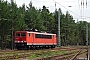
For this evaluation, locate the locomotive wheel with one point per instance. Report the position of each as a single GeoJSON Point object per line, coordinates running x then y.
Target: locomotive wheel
{"type": "Point", "coordinates": [19, 48]}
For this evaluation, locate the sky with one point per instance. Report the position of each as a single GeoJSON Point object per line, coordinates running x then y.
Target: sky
{"type": "Point", "coordinates": [78, 11]}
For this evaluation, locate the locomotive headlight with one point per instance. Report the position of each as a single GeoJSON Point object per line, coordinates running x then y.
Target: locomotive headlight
{"type": "Point", "coordinates": [20, 41]}
{"type": "Point", "coordinates": [16, 41]}
{"type": "Point", "coordinates": [24, 41]}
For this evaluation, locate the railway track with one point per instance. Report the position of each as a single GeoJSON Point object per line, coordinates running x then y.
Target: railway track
{"type": "Point", "coordinates": [68, 56]}
{"type": "Point", "coordinates": [15, 54]}
{"type": "Point", "coordinates": [75, 57]}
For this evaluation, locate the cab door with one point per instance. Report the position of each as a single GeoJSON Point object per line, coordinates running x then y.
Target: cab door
{"type": "Point", "coordinates": [33, 38]}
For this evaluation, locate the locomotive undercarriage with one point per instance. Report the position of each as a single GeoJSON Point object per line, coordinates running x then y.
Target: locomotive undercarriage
{"type": "Point", "coordinates": [20, 46]}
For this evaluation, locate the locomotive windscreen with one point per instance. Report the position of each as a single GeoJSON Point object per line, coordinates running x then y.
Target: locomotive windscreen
{"type": "Point", "coordinates": [20, 34]}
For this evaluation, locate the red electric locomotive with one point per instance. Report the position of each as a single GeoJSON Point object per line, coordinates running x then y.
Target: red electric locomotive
{"type": "Point", "coordinates": [27, 39]}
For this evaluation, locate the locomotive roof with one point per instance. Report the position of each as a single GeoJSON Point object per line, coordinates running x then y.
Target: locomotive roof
{"type": "Point", "coordinates": [37, 32]}
{"type": "Point", "coordinates": [42, 33]}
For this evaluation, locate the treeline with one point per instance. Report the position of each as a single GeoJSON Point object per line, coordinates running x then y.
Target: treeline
{"type": "Point", "coordinates": [14, 18]}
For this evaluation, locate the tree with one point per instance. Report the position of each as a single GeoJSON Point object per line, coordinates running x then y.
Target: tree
{"type": "Point", "coordinates": [33, 19]}
{"type": "Point", "coordinates": [4, 11]}
{"type": "Point", "coordinates": [13, 18]}
{"type": "Point", "coordinates": [67, 29]}
{"type": "Point", "coordinates": [82, 32]}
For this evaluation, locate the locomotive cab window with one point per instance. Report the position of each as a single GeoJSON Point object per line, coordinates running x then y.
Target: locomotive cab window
{"type": "Point", "coordinates": [28, 34]}
{"type": "Point", "coordinates": [23, 34]}
{"type": "Point", "coordinates": [17, 34]}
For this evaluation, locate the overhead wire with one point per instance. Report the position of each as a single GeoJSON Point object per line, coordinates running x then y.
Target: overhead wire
{"type": "Point", "coordinates": [66, 8]}
{"type": "Point", "coordinates": [83, 10]}
{"type": "Point", "coordinates": [86, 3]}
{"type": "Point", "coordinates": [80, 9]}
{"type": "Point", "coordinates": [63, 6]}
{"type": "Point", "coordinates": [83, 3]}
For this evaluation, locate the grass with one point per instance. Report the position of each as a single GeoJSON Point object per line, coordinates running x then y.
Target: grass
{"type": "Point", "coordinates": [32, 55]}
{"type": "Point", "coordinates": [45, 54]}
{"type": "Point", "coordinates": [83, 52]}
